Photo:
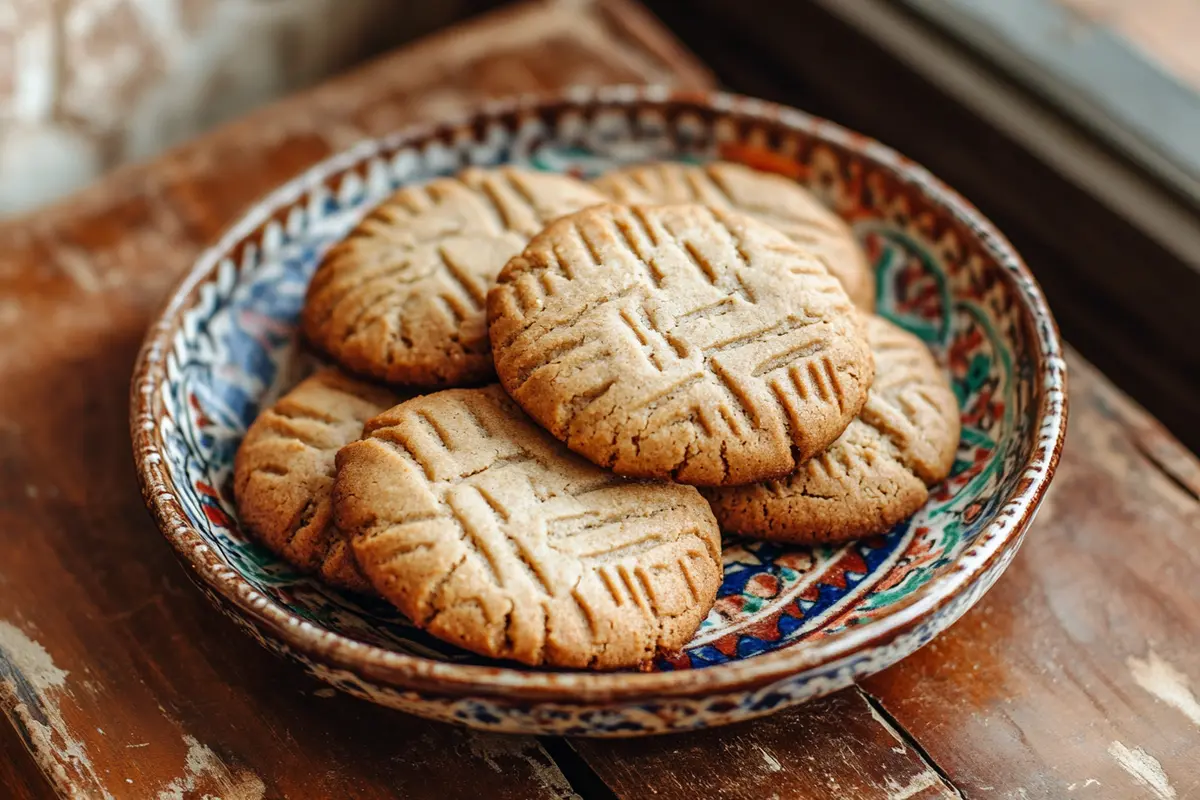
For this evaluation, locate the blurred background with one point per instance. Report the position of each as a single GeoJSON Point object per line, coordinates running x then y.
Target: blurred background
{"type": "Point", "coordinates": [1074, 124]}
{"type": "Point", "coordinates": [86, 85]}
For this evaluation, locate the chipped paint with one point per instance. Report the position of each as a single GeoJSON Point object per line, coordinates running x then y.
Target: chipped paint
{"type": "Point", "coordinates": [31, 686]}
{"type": "Point", "coordinates": [773, 764]}
{"type": "Point", "coordinates": [1161, 679]}
{"type": "Point", "coordinates": [917, 784]}
{"type": "Point", "coordinates": [203, 769]}
{"type": "Point", "coordinates": [1144, 768]}
{"type": "Point", "coordinates": [30, 658]}
{"type": "Point", "coordinates": [76, 266]}
{"type": "Point", "coordinates": [492, 748]}
{"type": "Point", "coordinates": [1089, 782]}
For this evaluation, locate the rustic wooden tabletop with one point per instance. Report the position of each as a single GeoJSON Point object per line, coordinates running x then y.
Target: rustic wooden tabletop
{"type": "Point", "coordinates": [1076, 676]}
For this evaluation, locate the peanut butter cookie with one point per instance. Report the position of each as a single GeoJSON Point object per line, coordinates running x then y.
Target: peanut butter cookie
{"type": "Point", "coordinates": [283, 472]}
{"type": "Point", "coordinates": [491, 535]}
{"type": "Point", "coordinates": [402, 297]}
{"type": "Point", "coordinates": [679, 342]}
{"type": "Point", "coordinates": [877, 473]}
{"type": "Point", "coordinates": [774, 199]}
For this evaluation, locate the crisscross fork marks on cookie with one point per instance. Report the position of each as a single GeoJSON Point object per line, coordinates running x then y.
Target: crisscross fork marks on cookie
{"type": "Point", "coordinates": [778, 201]}
{"type": "Point", "coordinates": [801, 354]}
{"type": "Point", "coordinates": [685, 290]}
{"type": "Point", "coordinates": [284, 468]}
{"type": "Point", "coordinates": [663, 349]}
{"type": "Point", "coordinates": [523, 200]}
{"type": "Point", "coordinates": [803, 350]}
{"type": "Point", "coordinates": [605, 535]}
{"type": "Point", "coordinates": [640, 240]}
{"type": "Point", "coordinates": [878, 470]}
{"type": "Point", "coordinates": [493, 536]}
{"type": "Point", "coordinates": [505, 556]}
{"type": "Point", "coordinates": [464, 282]}
{"type": "Point", "coordinates": [403, 297]}
{"type": "Point", "coordinates": [653, 341]}
{"type": "Point", "coordinates": [506, 213]}
{"type": "Point", "coordinates": [339, 295]}
{"type": "Point", "coordinates": [708, 311]}
{"type": "Point", "coordinates": [472, 513]}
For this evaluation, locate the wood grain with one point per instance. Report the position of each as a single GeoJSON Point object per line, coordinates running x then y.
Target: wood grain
{"type": "Point", "coordinates": [1077, 671]}
{"type": "Point", "coordinates": [835, 747]}
{"type": "Point", "coordinates": [118, 675]}
{"type": "Point", "coordinates": [20, 778]}
{"type": "Point", "coordinates": [1087, 647]}
{"type": "Point", "coordinates": [1076, 677]}
{"type": "Point", "coordinates": [149, 220]}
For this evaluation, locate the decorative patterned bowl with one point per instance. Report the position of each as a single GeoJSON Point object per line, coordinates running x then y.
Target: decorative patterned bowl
{"type": "Point", "coordinates": [790, 623]}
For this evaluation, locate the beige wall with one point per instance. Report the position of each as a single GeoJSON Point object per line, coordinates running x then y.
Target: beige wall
{"type": "Point", "coordinates": [88, 84]}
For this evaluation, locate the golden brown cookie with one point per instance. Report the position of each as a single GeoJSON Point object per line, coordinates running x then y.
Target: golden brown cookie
{"type": "Point", "coordinates": [774, 199]}
{"type": "Point", "coordinates": [283, 473]}
{"type": "Point", "coordinates": [402, 297]}
{"type": "Point", "coordinates": [679, 342]}
{"type": "Point", "coordinates": [491, 535]}
{"type": "Point", "coordinates": [876, 474]}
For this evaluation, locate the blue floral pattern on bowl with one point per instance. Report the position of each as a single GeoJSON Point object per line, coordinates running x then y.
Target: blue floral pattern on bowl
{"type": "Point", "coordinates": [786, 618]}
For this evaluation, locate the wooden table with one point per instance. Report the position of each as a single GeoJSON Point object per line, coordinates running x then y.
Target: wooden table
{"type": "Point", "coordinates": [1078, 675]}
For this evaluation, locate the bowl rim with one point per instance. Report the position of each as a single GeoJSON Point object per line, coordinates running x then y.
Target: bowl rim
{"type": "Point", "coordinates": [410, 672]}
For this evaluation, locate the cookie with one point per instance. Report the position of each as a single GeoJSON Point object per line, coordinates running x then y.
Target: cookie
{"type": "Point", "coordinates": [283, 473]}
{"type": "Point", "coordinates": [774, 199]}
{"type": "Point", "coordinates": [491, 535]}
{"type": "Point", "coordinates": [401, 298]}
{"type": "Point", "coordinates": [877, 473]}
{"type": "Point", "coordinates": [679, 342]}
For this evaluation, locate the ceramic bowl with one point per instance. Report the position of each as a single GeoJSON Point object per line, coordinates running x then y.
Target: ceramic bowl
{"type": "Point", "coordinates": [790, 623]}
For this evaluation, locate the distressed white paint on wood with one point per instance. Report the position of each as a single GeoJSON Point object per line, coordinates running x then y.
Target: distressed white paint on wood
{"type": "Point", "coordinates": [26, 667]}
{"type": "Point", "coordinates": [1144, 768]}
{"type": "Point", "coordinates": [1161, 679]}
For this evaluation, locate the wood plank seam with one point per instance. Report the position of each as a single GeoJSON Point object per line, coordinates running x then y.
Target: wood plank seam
{"type": "Point", "coordinates": [58, 444]}
{"type": "Point", "coordinates": [584, 780]}
{"type": "Point", "coordinates": [1163, 468]}
{"type": "Point", "coordinates": [894, 727]}
{"type": "Point", "coordinates": [126, 239]}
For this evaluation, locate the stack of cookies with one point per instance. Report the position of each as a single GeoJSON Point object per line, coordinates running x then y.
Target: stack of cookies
{"type": "Point", "coordinates": [563, 393]}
